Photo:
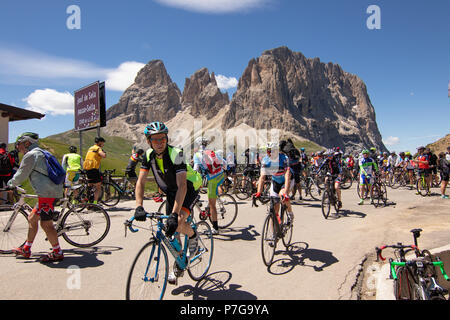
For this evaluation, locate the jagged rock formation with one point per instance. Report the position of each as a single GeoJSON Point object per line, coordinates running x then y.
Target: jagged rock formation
{"type": "Point", "coordinates": [202, 95]}
{"type": "Point", "coordinates": [153, 96]}
{"type": "Point", "coordinates": [280, 89]}
{"type": "Point", "coordinates": [320, 102]}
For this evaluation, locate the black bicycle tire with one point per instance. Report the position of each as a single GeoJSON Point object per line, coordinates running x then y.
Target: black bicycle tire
{"type": "Point", "coordinates": [344, 185]}
{"type": "Point", "coordinates": [242, 192]}
{"type": "Point", "coordinates": [399, 283]}
{"type": "Point", "coordinates": [310, 185]}
{"type": "Point", "coordinates": [166, 268]}
{"type": "Point", "coordinates": [286, 232]}
{"type": "Point", "coordinates": [92, 243]}
{"type": "Point", "coordinates": [269, 219]}
{"type": "Point", "coordinates": [326, 195]}
{"type": "Point", "coordinates": [115, 200]}
{"type": "Point", "coordinates": [25, 215]}
{"type": "Point", "coordinates": [226, 225]}
{"type": "Point", "coordinates": [205, 271]}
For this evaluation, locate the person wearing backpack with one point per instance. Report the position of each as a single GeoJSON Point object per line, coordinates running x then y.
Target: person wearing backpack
{"type": "Point", "coordinates": [71, 162]}
{"type": "Point", "coordinates": [35, 167]}
{"type": "Point", "coordinates": [91, 164]}
{"type": "Point", "coordinates": [7, 163]}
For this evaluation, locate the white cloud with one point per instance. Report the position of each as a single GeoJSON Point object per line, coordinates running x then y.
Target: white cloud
{"type": "Point", "coordinates": [214, 6]}
{"type": "Point", "coordinates": [122, 77]}
{"type": "Point", "coordinates": [23, 66]}
{"type": "Point", "coordinates": [50, 101]}
{"type": "Point", "coordinates": [391, 141]}
{"type": "Point", "coordinates": [225, 83]}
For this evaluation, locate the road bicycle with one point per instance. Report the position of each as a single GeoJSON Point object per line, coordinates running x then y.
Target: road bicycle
{"type": "Point", "coordinates": [80, 227]}
{"type": "Point", "coordinates": [415, 279]}
{"type": "Point", "coordinates": [112, 192]}
{"type": "Point", "coordinates": [421, 185]}
{"type": "Point", "coordinates": [148, 276]}
{"type": "Point", "coordinates": [379, 193]}
{"type": "Point", "coordinates": [226, 205]}
{"type": "Point", "coordinates": [347, 179]}
{"type": "Point", "coordinates": [275, 227]}
{"type": "Point", "coordinates": [329, 197]}
{"type": "Point", "coordinates": [246, 185]}
{"type": "Point", "coordinates": [309, 186]}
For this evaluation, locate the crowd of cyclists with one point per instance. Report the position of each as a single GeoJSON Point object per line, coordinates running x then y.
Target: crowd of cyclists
{"type": "Point", "coordinates": [180, 179]}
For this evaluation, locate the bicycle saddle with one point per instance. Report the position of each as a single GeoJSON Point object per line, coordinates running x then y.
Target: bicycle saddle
{"type": "Point", "coordinates": [416, 232]}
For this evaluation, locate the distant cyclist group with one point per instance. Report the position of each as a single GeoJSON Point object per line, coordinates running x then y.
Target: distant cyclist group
{"type": "Point", "coordinates": [180, 180]}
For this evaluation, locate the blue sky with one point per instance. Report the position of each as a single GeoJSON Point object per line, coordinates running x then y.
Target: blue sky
{"type": "Point", "coordinates": [405, 64]}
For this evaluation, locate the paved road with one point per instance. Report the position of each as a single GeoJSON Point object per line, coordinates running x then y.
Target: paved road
{"type": "Point", "coordinates": [322, 263]}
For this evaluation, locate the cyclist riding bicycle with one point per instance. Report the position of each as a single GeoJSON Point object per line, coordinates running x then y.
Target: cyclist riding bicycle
{"type": "Point", "coordinates": [175, 179]}
{"type": "Point", "coordinates": [282, 177]}
{"type": "Point", "coordinates": [368, 167]}
{"type": "Point", "coordinates": [333, 166]}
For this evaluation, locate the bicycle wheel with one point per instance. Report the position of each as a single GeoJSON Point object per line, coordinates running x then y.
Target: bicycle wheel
{"type": "Point", "coordinates": [16, 235]}
{"type": "Point", "coordinates": [201, 261]}
{"type": "Point", "coordinates": [422, 187]}
{"type": "Point", "coordinates": [268, 241]}
{"type": "Point", "coordinates": [85, 228]}
{"type": "Point", "coordinates": [346, 182]}
{"type": "Point", "coordinates": [244, 188]}
{"type": "Point", "coordinates": [326, 204]}
{"type": "Point", "coordinates": [287, 228]}
{"type": "Point", "coordinates": [313, 189]}
{"type": "Point", "coordinates": [110, 195]}
{"type": "Point", "coordinates": [227, 210]}
{"type": "Point", "coordinates": [404, 285]}
{"type": "Point", "coordinates": [147, 279]}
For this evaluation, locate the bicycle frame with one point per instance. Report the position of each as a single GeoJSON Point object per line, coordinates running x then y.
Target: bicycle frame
{"type": "Point", "coordinates": [160, 237]}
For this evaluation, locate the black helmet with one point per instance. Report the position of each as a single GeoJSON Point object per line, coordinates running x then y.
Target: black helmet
{"type": "Point", "coordinates": [99, 139]}
{"type": "Point", "coordinates": [73, 149]}
{"type": "Point", "coordinates": [140, 151]}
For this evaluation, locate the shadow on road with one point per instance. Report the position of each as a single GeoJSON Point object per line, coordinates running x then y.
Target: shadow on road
{"type": "Point", "coordinates": [351, 214]}
{"type": "Point", "coordinates": [81, 258]}
{"type": "Point", "coordinates": [215, 287]}
{"type": "Point", "coordinates": [298, 254]}
{"type": "Point", "coordinates": [238, 233]}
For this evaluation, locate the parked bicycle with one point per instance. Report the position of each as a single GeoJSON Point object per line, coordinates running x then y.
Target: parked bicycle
{"type": "Point", "coordinates": [147, 278]}
{"type": "Point", "coordinates": [276, 227]}
{"type": "Point", "coordinates": [81, 226]}
{"type": "Point", "coordinates": [414, 279]}
{"type": "Point", "coordinates": [112, 191]}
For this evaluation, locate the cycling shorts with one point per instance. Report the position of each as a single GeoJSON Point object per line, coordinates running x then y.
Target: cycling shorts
{"type": "Point", "coordinates": [213, 186]}
{"type": "Point", "coordinates": [93, 176]}
{"type": "Point", "coordinates": [364, 180]}
{"type": "Point", "coordinates": [275, 188]}
{"type": "Point", "coordinates": [188, 203]}
{"type": "Point", "coordinates": [425, 172]}
{"type": "Point", "coordinates": [45, 208]}
{"type": "Point", "coordinates": [72, 177]}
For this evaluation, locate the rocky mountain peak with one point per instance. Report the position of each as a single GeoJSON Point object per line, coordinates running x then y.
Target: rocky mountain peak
{"type": "Point", "coordinates": [202, 94]}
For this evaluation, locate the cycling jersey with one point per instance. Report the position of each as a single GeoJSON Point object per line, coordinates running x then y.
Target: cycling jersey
{"type": "Point", "coordinates": [367, 165]}
{"type": "Point", "coordinates": [276, 169]}
{"type": "Point", "coordinates": [165, 173]}
{"type": "Point", "coordinates": [426, 158]}
{"type": "Point", "coordinates": [132, 163]}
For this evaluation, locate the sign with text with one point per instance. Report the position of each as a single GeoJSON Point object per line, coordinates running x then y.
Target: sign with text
{"type": "Point", "coordinates": [90, 108]}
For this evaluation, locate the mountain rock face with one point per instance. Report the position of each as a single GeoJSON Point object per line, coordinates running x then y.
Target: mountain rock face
{"type": "Point", "coordinates": [202, 95]}
{"type": "Point", "coordinates": [152, 97]}
{"type": "Point", "coordinates": [281, 89]}
{"type": "Point", "coordinates": [320, 102]}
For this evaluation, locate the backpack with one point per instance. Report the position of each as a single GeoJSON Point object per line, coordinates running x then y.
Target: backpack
{"type": "Point", "coordinates": [55, 171]}
{"type": "Point", "coordinates": [5, 163]}
{"type": "Point", "coordinates": [211, 162]}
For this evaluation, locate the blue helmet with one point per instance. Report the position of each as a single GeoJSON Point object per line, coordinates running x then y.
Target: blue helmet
{"type": "Point", "coordinates": [155, 128]}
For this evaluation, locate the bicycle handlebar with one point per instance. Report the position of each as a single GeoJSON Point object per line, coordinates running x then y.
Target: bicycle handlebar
{"type": "Point", "coordinates": [439, 264]}
{"type": "Point", "coordinates": [398, 246]}
{"type": "Point", "coordinates": [152, 215]}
